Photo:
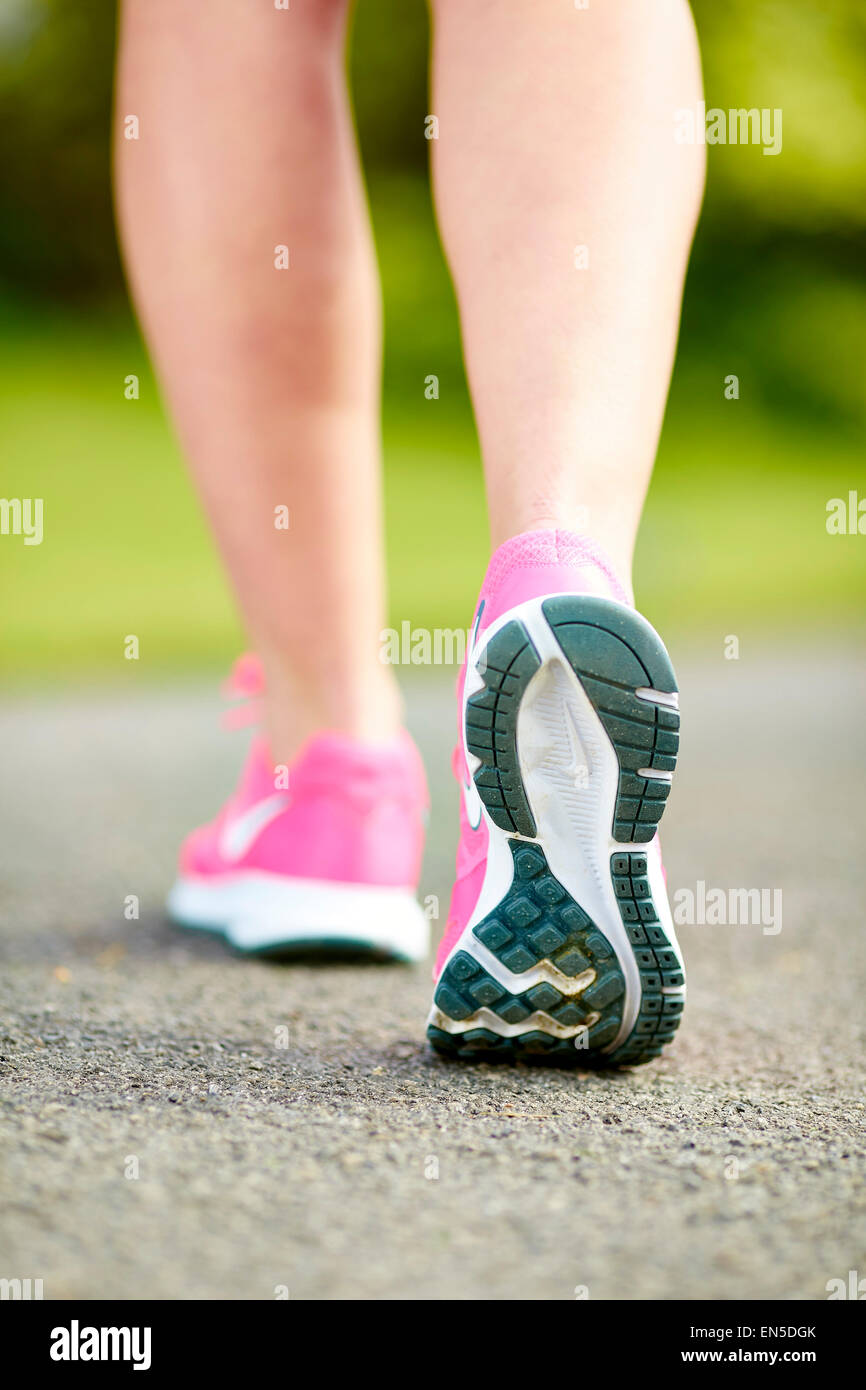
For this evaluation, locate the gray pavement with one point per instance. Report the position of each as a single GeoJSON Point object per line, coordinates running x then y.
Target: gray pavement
{"type": "Point", "coordinates": [354, 1163]}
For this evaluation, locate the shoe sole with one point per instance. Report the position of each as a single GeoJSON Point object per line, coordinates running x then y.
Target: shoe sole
{"type": "Point", "coordinates": [573, 730]}
{"type": "Point", "coordinates": [264, 914]}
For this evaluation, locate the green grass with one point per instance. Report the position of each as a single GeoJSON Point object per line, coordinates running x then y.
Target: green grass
{"type": "Point", "coordinates": [734, 539]}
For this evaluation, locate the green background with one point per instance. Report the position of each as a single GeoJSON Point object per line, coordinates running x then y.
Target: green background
{"type": "Point", "coordinates": [734, 539]}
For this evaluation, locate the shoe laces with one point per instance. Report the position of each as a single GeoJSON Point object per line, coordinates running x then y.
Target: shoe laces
{"type": "Point", "coordinates": [245, 684]}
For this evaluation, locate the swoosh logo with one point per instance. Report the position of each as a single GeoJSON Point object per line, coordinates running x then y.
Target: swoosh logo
{"type": "Point", "coordinates": [237, 837]}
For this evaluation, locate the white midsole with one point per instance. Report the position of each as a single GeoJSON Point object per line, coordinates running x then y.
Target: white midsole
{"type": "Point", "coordinates": [570, 773]}
{"type": "Point", "coordinates": [255, 910]}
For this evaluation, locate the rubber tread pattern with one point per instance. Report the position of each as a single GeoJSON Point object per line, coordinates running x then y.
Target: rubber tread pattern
{"type": "Point", "coordinates": [613, 651]}
{"type": "Point", "coordinates": [536, 923]}
{"type": "Point", "coordinates": [491, 727]}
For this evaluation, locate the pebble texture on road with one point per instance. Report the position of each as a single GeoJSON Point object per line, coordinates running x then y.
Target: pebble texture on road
{"type": "Point", "coordinates": [354, 1162]}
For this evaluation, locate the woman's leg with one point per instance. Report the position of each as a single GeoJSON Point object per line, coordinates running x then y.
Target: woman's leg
{"type": "Point", "coordinates": [272, 375]}
{"type": "Point", "coordinates": [567, 211]}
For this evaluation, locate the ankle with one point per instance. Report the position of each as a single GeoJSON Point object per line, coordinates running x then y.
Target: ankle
{"type": "Point", "coordinates": [366, 706]}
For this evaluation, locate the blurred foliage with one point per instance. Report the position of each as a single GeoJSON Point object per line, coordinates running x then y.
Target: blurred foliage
{"type": "Point", "coordinates": [807, 57]}
{"type": "Point", "coordinates": [776, 288]}
{"type": "Point", "coordinates": [56, 229]}
{"type": "Point", "coordinates": [733, 540]}
{"type": "Point", "coordinates": [734, 532]}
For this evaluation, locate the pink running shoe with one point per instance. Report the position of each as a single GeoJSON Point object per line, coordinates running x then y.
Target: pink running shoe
{"type": "Point", "coordinates": [324, 855]}
{"type": "Point", "coordinates": [560, 941]}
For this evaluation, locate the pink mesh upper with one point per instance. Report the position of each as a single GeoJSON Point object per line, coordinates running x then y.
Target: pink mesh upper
{"type": "Point", "coordinates": [345, 811]}
{"type": "Point", "coordinates": [532, 548]}
{"type": "Point", "coordinates": [539, 562]}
